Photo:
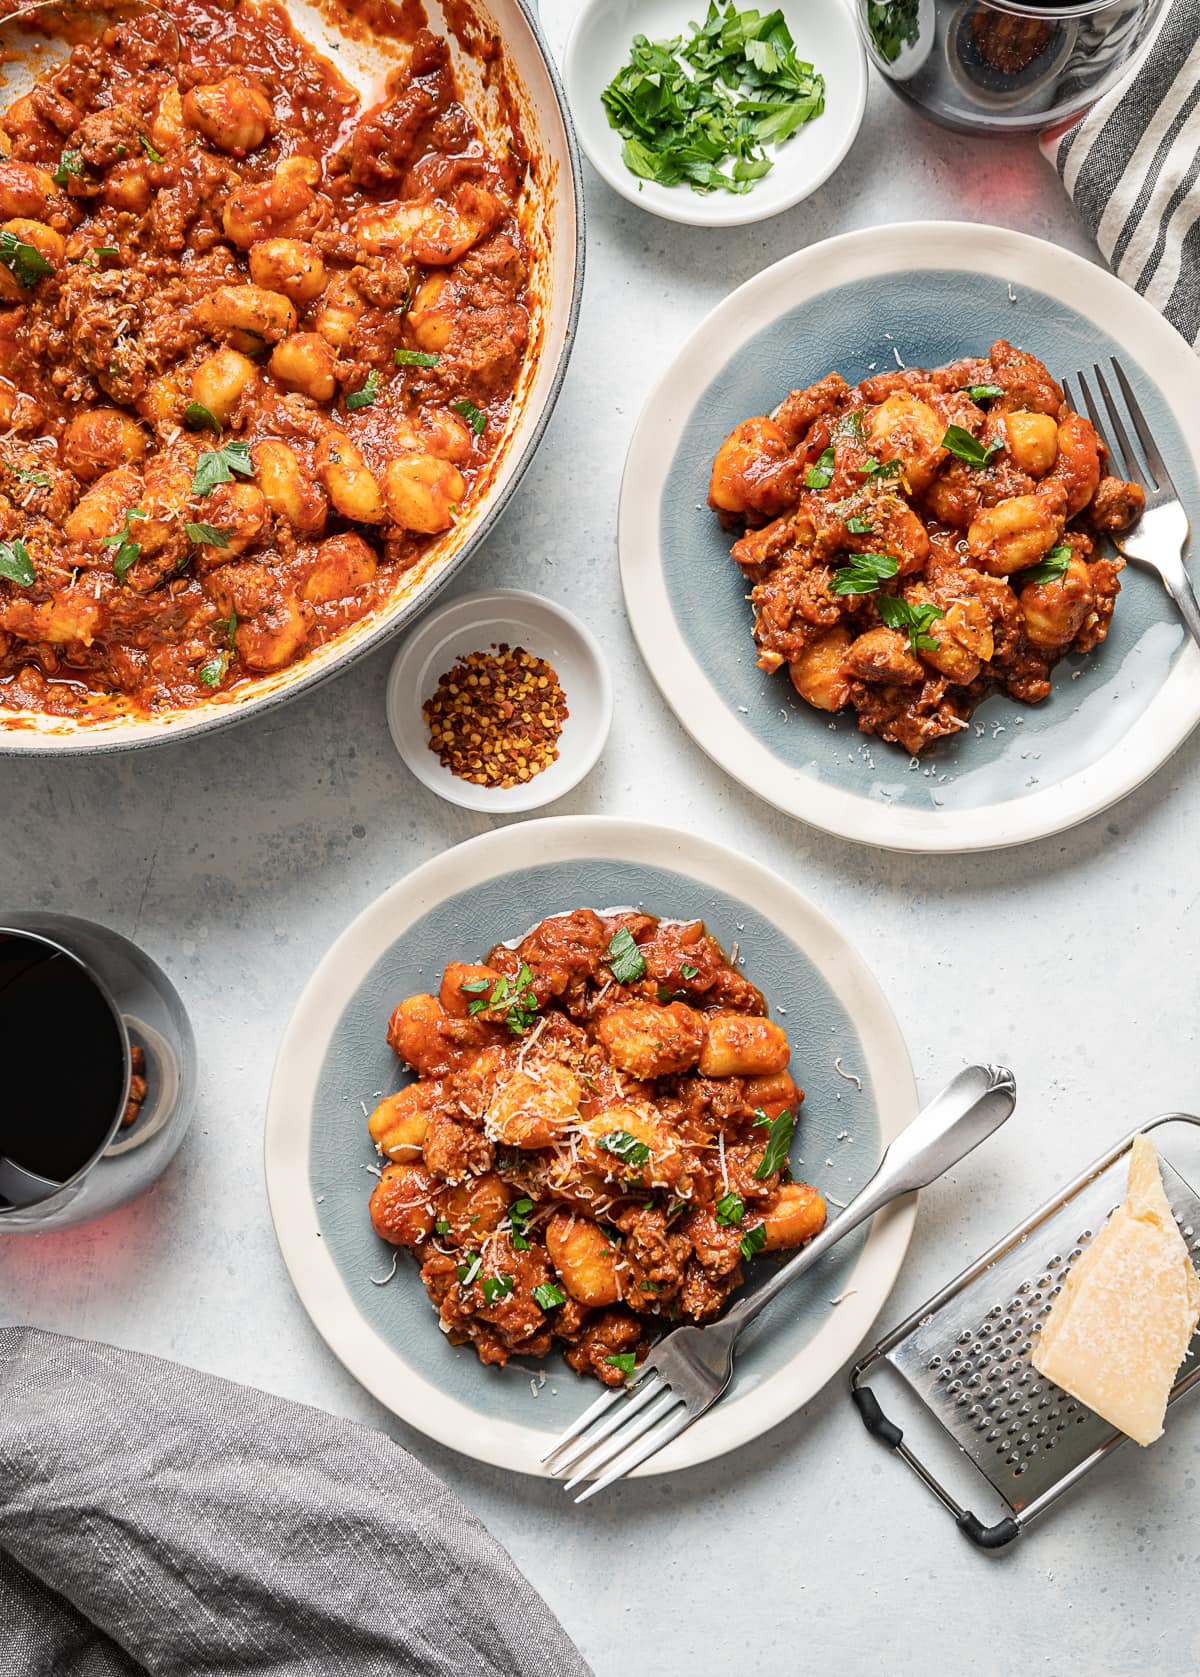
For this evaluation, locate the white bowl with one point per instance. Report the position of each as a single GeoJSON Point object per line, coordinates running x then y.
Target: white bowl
{"type": "Point", "coordinates": [474, 624]}
{"type": "Point", "coordinates": [825, 34]}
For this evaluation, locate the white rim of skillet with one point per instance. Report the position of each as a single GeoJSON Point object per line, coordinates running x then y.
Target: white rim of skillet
{"type": "Point", "coordinates": [720, 209]}
{"type": "Point", "coordinates": [1017, 257]}
{"type": "Point", "coordinates": [405, 1390]}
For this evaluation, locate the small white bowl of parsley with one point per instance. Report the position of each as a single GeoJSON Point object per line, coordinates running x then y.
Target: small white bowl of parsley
{"type": "Point", "coordinates": [717, 117]}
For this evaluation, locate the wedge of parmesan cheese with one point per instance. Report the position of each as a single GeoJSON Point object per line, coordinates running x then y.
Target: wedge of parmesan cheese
{"type": "Point", "coordinates": [1121, 1326]}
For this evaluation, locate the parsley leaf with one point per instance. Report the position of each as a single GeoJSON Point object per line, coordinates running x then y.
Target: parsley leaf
{"type": "Point", "coordinates": [24, 261]}
{"type": "Point", "coordinates": [474, 418]}
{"type": "Point", "coordinates": [859, 526]}
{"type": "Point", "coordinates": [514, 998]}
{"type": "Point", "coordinates": [548, 1295]}
{"type": "Point", "coordinates": [496, 1287]}
{"type": "Point", "coordinates": [967, 447]}
{"type": "Point", "coordinates": [27, 475]}
{"type": "Point", "coordinates": [213, 673]}
{"type": "Point", "coordinates": [211, 534]}
{"type": "Point", "coordinates": [217, 465]}
{"type": "Point", "coordinates": [15, 563]}
{"type": "Point", "coordinates": [820, 474]}
{"type": "Point", "coordinates": [625, 959]}
{"type": "Point", "coordinates": [730, 1209]}
{"type": "Point", "coordinates": [1049, 569]}
{"type": "Point", "coordinates": [70, 163]}
{"type": "Point", "coordinates": [753, 1241]}
{"type": "Point", "coordinates": [626, 1361]}
{"type": "Point", "coordinates": [127, 549]}
{"type": "Point", "coordinates": [625, 1147]}
{"type": "Point", "coordinates": [914, 621]}
{"type": "Point", "coordinates": [688, 972]}
{"type": "Point", "coordinates": [369, 392]}
{"type": "Point", "coordinates": [775, 1154]}
{"type": "Point", "coordinates": [880, 468]}
{"type": "Point", "coordinates": [863, 573]}
{"type": "Point", "coordinates": [893, 25]}
{"type": "Point", "coordinates": [415, 358]}
{"type": "Point", "coordinates": [518, 1214]}
{"type": "Point", "coordinates": [442, 1225]}
{"type": "Point", "coordinates": [151, 152]}
{"type": "Point", "coordinates": [468, 1271]}
{"type": "Point", "coordinates": [198, 415]}
{"type": "Point", "coordinates": [984, 392]}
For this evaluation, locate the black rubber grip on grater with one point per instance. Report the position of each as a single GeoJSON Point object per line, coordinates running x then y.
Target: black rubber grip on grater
{"type": "Point", "coordinates": [874, 1419]}
{"type": "Point", "coordinates": [987, 1537]}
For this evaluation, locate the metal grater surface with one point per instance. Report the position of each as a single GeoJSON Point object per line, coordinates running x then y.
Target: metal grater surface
{"type": "Point", "coordinates": [969, 1360]}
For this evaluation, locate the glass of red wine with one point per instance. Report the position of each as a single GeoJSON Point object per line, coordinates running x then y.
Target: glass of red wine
{"type": "Point", "coordinates": [99, 1071]}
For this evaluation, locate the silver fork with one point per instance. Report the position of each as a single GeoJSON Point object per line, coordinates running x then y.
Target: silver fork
{"type": "Point", "coordinates": [687, 1372]}
{"type": "Point", "coordinates": [1157, 540]}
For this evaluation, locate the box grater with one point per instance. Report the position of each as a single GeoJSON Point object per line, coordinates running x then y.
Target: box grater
{"type": "Point", "coordinates": [965, 1354]}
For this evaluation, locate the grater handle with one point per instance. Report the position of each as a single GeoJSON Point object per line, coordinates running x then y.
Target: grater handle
{"type": "Point", "coordinates": [967, 1110]}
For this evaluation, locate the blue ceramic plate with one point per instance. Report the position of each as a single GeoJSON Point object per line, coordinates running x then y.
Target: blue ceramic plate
{"type": "Point", "coordinates": [920, 295]}
{"type": "Point", "coordinates": [334, 1064]}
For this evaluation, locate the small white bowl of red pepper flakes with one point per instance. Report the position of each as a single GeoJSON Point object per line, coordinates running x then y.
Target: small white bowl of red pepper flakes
{"type": "Point", "coordinates": [500, 701]}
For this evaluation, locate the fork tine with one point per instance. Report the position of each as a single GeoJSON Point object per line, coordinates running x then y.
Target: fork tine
{"type": "Point", "coordinates": [663, 1406]}
{"type": "Point", "coordinates": [1158, 471]}
{"type": "Point", "coordinates": [617, 1417]}
{"type": "Point", "coordinates": [590, 1414]}
{"type": "Point", "coordinates": [1132, 463]}
{"type": "Point", "coordinates": [655, 1442]}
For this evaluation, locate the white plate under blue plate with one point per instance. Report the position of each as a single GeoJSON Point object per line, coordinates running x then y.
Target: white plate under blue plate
{"type": "Point", "coordinates": [923, 294]}
{"type": "Point", "coordinates": [334, 1064]}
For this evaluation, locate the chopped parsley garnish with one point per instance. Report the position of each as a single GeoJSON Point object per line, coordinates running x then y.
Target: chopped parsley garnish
{"type": "Point", "coordinates": [213, 673]}
{"type": "Point", "coordinates": [15, 563]}
{"type": "Point", "coordinates": [415, 358]}
{"type": "Point", "coordinates": [474, 418]}
{"type": "Point", "coordinates": [1049, 569]}
{"type": "Point", "coordinates": [496, 1287]}
{"type": "Point", "coordinates": [70, 163]}
{"type": "Point", "coordinates": [849, 425]}
{"type": "Point", "coordinates": [151, 151]}
{"type": "Point", "coordinates": [42, 479]}
{"type": "Point", "coordinates": [201, 417]}
{"type": "Point", "coordinates": [753, 1241]}
{"type": "Point", "coordinates": [24, 261]}
{"type": "Point", "coordinates": [863, 572]}
{"type": "Point", "coordinates": [362, 398]}
{"type": "Point", "coordinates": [442, 1225]}
{"type": "Point", "coordinates": [820, 474]}
{"type": "Point", "coordinates": [687, 109]}
{"type": "Point", "coordinates": [625, 959]}
{"type": "Point", "coordinates": [688, 972]}
{"type": "Point", "coordinates": [468, 1271]}
{"type": "Point", "coordinates": [210, 534]}
{"type": "Point", "coordinates": [626, 1361]}
{"type": "Point", "coordinates": [893, 24]}
{"type": "Point", "coordinates": [858, 525]}
{"type": "Point", "coordinates": [514, 998]}
{"type": "Point", "coordinates": [625, 1147]}
{"type": "Point", "coordinates": [730, 1209]}
{"type": "Point", "coordinates": [912, 620]}
{"type": "Point", "coordinates": [127, 549]}
{"type": "Point", "coordinates": [105, 250]}
{"type": "Point", "coordinates": [761, 1118]}
{"type": "Point", "coordinates": [675, 1207]}
{"type": "Point", "coordinates": [984, 392]}
{"type": "Point", "coordinates": [775, 1154]}
{"type": "Point", "coordinates": [548, 1295]}
{"type": "Point", "coordinates": [879, 468]}
{"type": "Point", "coordinates": [217, 465]}
{"type": "Point", "coordinates": [518, 1214]}
{"type": "Point", "coordinates": [967, 447]}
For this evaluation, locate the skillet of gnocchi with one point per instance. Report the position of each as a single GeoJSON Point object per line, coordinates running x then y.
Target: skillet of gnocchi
{"type": "Point", "coordinates": [596, 1143]}
{"type": "Point", "coordinates": [923, 539]}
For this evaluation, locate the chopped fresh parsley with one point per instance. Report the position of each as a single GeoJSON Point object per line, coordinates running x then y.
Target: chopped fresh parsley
{"type": "Point", "coordinates": [415, 358]}
{"type": "Point", "coordinates": [213, 673]}
{"type": "Point", "coordinates": [984, 392]}
{"type": "Point", "coordinates": [201, 417]}
{"type": "Point", "coordinates": [151, 151]}
{"type": "Point", "coordinates": [893, 25]}
{"type": "Point", "coordinates": [761, 1118]}
{"type": "Point", "coordinates": [369, 392]}
{"type": "Point", "coordinates": [547, 1296]}
{"type": "Point", "coordinates": [210, 534]}
{"type": "Point", "coordinates": [775, 1154]}
{"type": "Point", "coordinates": [496, 1287]}
{"type": "Point", "coordinates": [127, 549]}
{"type": "Point", "coordinates": [105, 250]}
{"type": "Point", "coordinates": [468, 1271]}
{"type": "Point", "coordinates": [442, 1225]}
{"type": "Point", "coordinates": [625, 1147]}
{"type": "Point", "coordinates": [675, 1207]}
{"type": "Point", "coordinates": [15, 564]}
{"type": "Point", "coordinates": [753, 1241]}
{"type": "Point", "coordinates": [1049, 569]}
{"type": "Point", "coordinates": [849, 425]}
{"type": "Point", "coordinates": [26, 475]}
{"type": "Point", "coordinates": [967, 447]}
{"type": "Point", "coordinates": [863, 572]}
{"type": "Point", "coordinates": [687, 109]}
{"type": "Point", "coordinates": [69, 164]}
{"type": "Point", "coordinates": [820, 474]}
{"type": "Point", "coordinates": [730, 1209]}
{"type": "Point", "coordinates": [514, 998]}
{"type": "Point", "coordinates": [474, 418]}
{"type": "Point", "coordinates": [912, 620]}
{"type": "Point", "coordinates": [626, 1361]}
{"type": "Point", "coordinates": [518, 1214]}
{"type": "Point", "coordinates": [217, 465]}
{"type": "Point", "coordinates": [688, 972]}
{"type": "Point", "coordinates": [880, 468]}
{"type": "Point", "coordinates": [625, 960]}
{"type": "Point", "coordinates": [858, 525]}
{"type": "Point", "coordinates": [24, 261]}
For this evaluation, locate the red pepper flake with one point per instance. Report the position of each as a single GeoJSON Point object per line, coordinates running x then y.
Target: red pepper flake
{"type": "Point", "coordinates": [496, 717]}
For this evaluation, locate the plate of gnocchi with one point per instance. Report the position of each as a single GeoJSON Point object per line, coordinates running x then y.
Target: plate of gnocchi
{"type": "Point", "coordinates": [528, 1116]}
{"type": "Point", "coordinates": [868, 552]}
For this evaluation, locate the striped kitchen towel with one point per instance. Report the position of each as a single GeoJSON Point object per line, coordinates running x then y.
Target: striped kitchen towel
{"type": "Point", "coordinates": [1132, 167]}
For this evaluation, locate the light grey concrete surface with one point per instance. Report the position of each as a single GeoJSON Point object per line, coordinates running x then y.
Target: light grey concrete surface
{"type": "Point", "coordinates": [235, 861]}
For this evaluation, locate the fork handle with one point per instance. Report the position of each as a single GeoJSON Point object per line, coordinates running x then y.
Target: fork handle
{"type": "Point", "coordinates": [1178, 585]}
{"type": "Point", "coordinates": [969, 1108]}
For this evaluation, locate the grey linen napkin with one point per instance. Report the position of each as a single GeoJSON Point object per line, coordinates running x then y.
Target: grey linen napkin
{"type": "Point", "coordinates": [1132, 165]}
{"type": "Point", "coordinates": [157, 1520]}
